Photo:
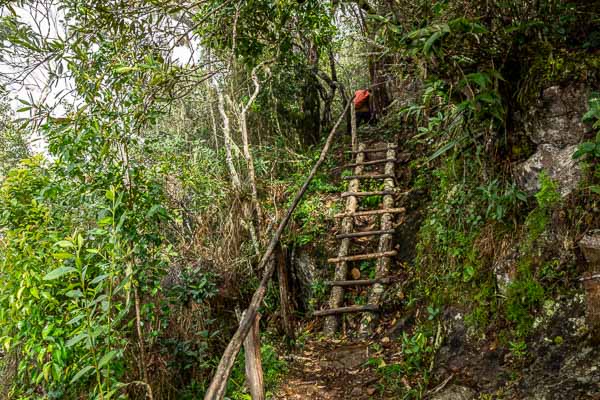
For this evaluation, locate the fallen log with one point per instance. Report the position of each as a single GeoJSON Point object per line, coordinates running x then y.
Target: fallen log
{"type": "Point", "coordinates": [218, 384]}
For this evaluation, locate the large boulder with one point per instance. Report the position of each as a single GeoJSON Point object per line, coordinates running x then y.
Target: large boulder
{"type": "Point", "coordinates": [306, 272]}
{"type": "Point", "coordinates": [556, 162]}
{"type": "Point", "coordinates": [556, 117]}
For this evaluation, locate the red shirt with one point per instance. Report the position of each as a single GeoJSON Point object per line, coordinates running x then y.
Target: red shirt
{"type": "Point", "coordinates": [361, 97]}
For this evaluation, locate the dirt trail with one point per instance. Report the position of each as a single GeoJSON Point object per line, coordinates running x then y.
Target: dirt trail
{"type": "Point", "coordinates": [330, 370]}
{"type": "Point", "coordinates": [338, 370]}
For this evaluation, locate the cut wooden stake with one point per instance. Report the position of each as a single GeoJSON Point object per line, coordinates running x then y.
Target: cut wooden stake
{"type": "Point", "coordinates": [374, 176]}
{"type": "Point", "coordinates": [358, 282]}
{"type": "Point", "coordinates": [343, 310]}
{"type": "Point", "coordinates": [254, 372]}
{"type": "Point", "coordinates": [286, 306]}
{"type": "Point", "coordinates": [362, 257]}
{"type": "Point", "coordinates": [365, 194]}
{"type": "Point", "coordinates": [365, 233]}
{"type": "Point", "coordinates": [372, 212]}
{"type": "Point", "coordinates": [218, 384]}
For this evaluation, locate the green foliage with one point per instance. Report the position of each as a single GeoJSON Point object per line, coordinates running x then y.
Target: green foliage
{"type": "Point", "coordinates": [518, 349]}
{"type": "Point", "coordinates": [13, 143]}
{"type": "Point", "coordinates": [593, 114]}
{"type": "Point", "coordinates": [58, 302]}
{"type": "Point", "coordinates": [416, 350]}
{"type": "Point", "coordinates": [525, 295]}
{"type": "Point", "coordinates": [548, 195]}
{"type": "Point", "coordinates": [547, 198]}
{"type": "Point", "coordinates": [501, 202]}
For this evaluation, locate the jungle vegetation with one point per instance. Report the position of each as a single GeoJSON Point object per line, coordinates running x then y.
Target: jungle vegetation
{"type": "Point", "coordinates": [148, 148]}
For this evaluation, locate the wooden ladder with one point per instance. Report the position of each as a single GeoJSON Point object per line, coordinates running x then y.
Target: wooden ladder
{"type": "Point", "coordinates": [385, 250]}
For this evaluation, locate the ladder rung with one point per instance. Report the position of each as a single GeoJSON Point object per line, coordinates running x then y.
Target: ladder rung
{"type": "Point", "coordinates": [364, 194]}
{"type": "Point", "coordinates": [362, 257]}
{"type": "Point", "coordinates": [374, 162]}
{"type": "Point", "coordinates": [379, 176]}
{"type": "Point", "coordinates": [358, 282]}
{"type": "Point", "coordinates": [373, 150]}
{"type": "Point", "coordinates": [349, 309]}
{"type": "Point", "coordinates": [363, 234]}
{"type": "Point", "coordinates": [372, 212]}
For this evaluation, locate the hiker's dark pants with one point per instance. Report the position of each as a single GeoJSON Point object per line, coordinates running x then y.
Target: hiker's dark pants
{"type": "Point", "coordinates": [362, 116]}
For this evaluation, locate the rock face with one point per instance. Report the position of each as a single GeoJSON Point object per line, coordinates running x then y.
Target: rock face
{"type": "Point", "coordinates": [556, 118]}
{"type": "Point", "coordinates": [305, 271]}
{"type": "Point", "coordinates": [562, 362]}
{"type": "Point", "coordinates": [565, 364]}
{"type": "Point", "coordinates": [554, 124]}
{"type": "Point", "coordinates": [558, 164]}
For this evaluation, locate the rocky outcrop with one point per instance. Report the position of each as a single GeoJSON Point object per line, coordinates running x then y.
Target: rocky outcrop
{"type": "Point", "coordinates": [558, 164]}
{"type": "Point", "coordinates": [560, 361]}
{"type": "Point", "coordinates": [563, 363]}
{"type": "Point", "coordinates": [556, 117]}
{"type": "Point", "coordinates": [555, 125]}
{"type": "Point", "coordinates": [305, 271]}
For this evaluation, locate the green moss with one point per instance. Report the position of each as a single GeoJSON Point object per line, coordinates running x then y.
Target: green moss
{"type": "Point", "coordinates": [554, 67]}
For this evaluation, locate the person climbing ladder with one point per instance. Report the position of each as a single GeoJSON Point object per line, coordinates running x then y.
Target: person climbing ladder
{"type": "Point", "coordinates": [362, 106]}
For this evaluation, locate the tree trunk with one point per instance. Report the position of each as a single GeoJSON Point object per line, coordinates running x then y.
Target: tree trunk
{"type": "Point", "coordinates": [235, 178]}
{"type": "Point", "coordinates": [254, 372]}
